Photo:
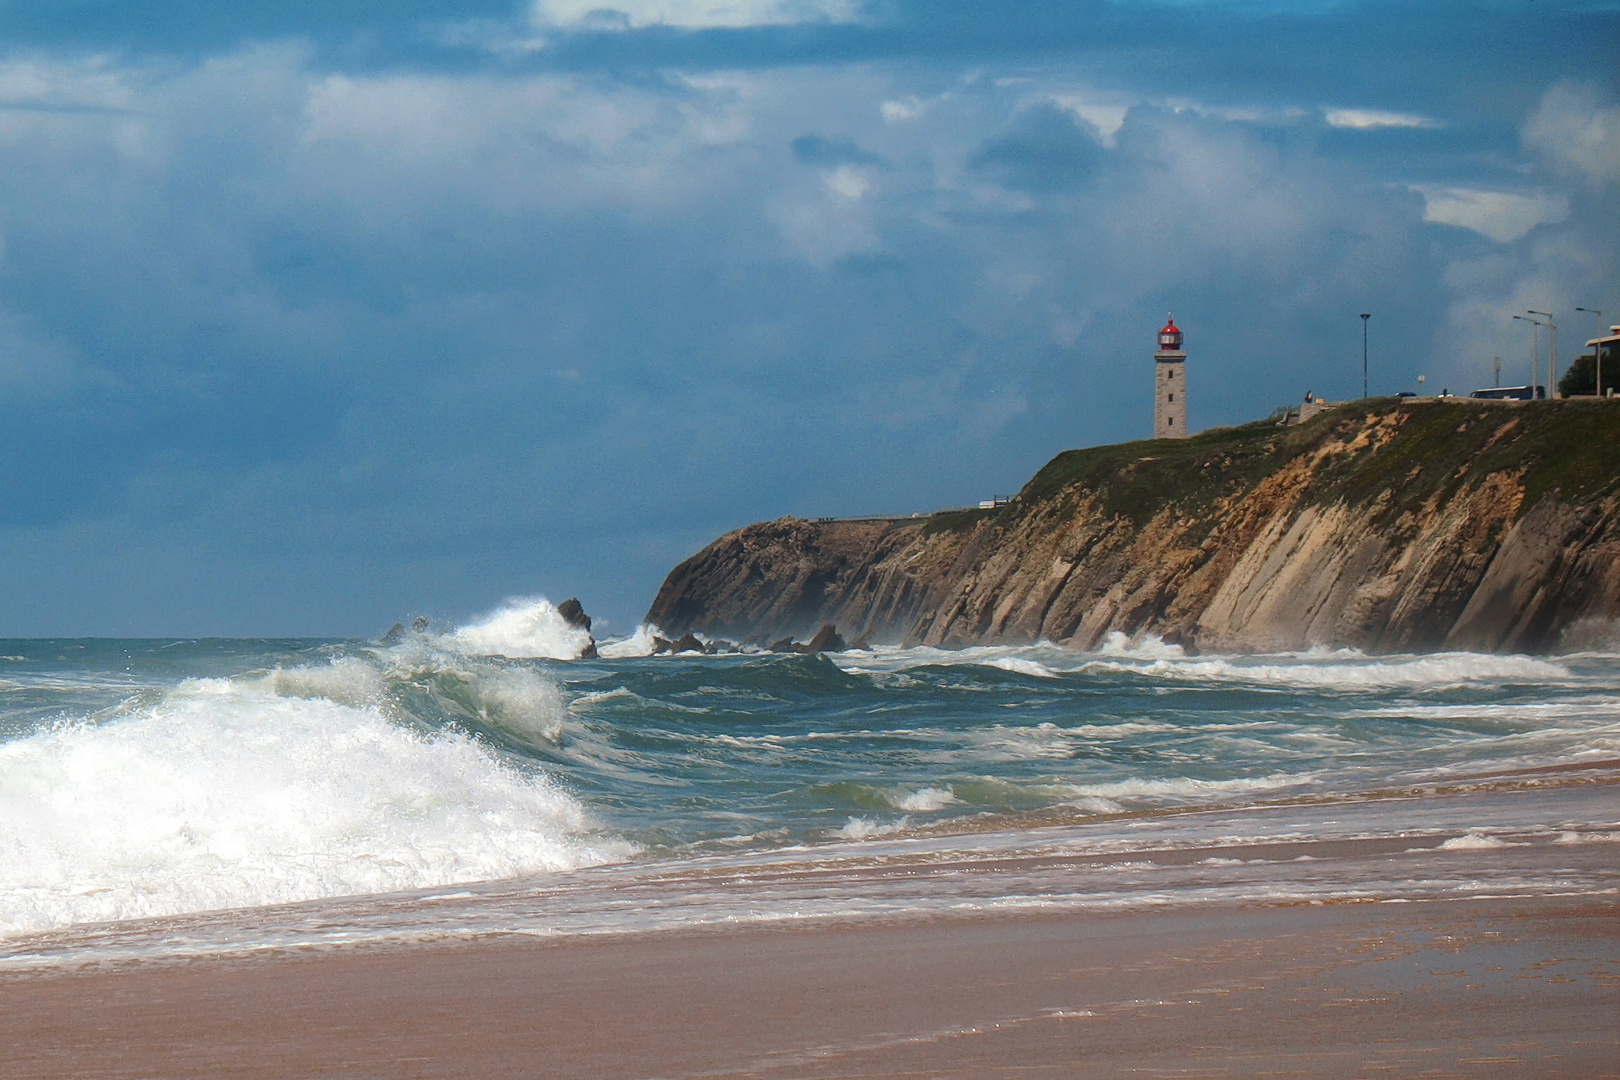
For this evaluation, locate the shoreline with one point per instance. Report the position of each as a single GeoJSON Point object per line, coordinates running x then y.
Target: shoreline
{"type": "Point", "coordinates": [1514, 840]}
{"type": "Point", "coordinates": [1472, 933]}
{"type": "Point", "coordinates": [1522, 987]}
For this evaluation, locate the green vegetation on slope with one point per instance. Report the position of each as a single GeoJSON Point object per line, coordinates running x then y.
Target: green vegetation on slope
{"type": "Point", "coordinates": [1432, 447]}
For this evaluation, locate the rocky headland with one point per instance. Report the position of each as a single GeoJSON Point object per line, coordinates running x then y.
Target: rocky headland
{"type": "Point", "coordinates": [1387, 525]}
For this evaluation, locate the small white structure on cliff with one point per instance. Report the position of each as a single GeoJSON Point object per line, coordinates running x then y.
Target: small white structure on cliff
{"type": "Point", "coordinates": [1170, 385]}
{"type": "Point", "coordinates": [1298, 414]}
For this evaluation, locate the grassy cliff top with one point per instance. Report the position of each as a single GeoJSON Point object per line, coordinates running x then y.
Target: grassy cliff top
{"type": "Point", "coordinates": [1413, 449]}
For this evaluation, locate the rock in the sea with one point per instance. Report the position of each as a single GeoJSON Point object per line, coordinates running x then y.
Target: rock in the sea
{"type": "Point", "coordinates": [826, 640]}
{"type": "Point", "coordinates": [661, 645]}
{"type": "Point", "coordinates": [397, 632]}
{"type": "Point", "coordinates": [573, 613]}
{"type": "Point", "coordinates": [688, 643]}
{"type": "Point", "coordinates": [787, 644]}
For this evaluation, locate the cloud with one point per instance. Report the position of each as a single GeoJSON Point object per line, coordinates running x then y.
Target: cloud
{"type": "Point", "coordinates": [1044, 148]}
{"type": "Point", "coordinates": [1576, 133]}
{"type": "Point", "coordinates": [319, 331]}
{"type": "Point", "coordinates": [90, 84]}
{"type": "Point", "coordinates": [1503, 216]}
{"type": "Point", "coordinates": [1369, 119]}
{"type": "Point", "coordinates": [848, 182]}
{"type": "Point", "coordinates": [692, 14]}
{"type": "Point", "coordinates": [898, 112]}
{"type": "Point", "coordinates": [1103, 116]}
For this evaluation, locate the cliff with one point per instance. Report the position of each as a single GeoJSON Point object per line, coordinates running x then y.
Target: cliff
{"type": "Point", "coordinates": [1385, 525]}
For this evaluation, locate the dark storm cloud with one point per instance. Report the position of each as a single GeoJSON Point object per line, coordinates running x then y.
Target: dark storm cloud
{"type": "Point", "coordinates": [1045, 149]}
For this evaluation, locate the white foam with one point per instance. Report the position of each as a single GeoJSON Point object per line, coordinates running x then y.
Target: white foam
{"type": "Point", "coordinates": [1178, 787]}
{"type": "Point", "coordinates": [1121, 730]}
{"type": "Point", "coordinates": [346, 681]}
{"type": "Point", "coordinates": [522, 702]}
{"type": "Point", "coordinates": [859, 828]}
{"type": "Point", "coordinates": [1093, 804]}
{"type": "Point", "coordinates": [231, 794]}
{"type": "Point", "coordinates": [618, 693]}
{"type": "Point", "coordinates": [1148, 647]}
{"type": "Point", "coordinates": [1340, 670]}
{"type": "Point", "coordinates": [523, 627]}
{"type": "Point", "coordinates": [1473, 841]}
{"type": "Point", "coordinates": [1318, 668]}
{"type": "Point", "coordinates": [926, 799]}
{"type": "Point", "coordinates": [1023, 667]}
{"type": "Point", "coordinates": [639, 643]}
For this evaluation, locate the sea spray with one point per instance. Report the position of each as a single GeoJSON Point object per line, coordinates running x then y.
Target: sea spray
{"type": "Point", "coordinates": [640, 643]}
{"type": "Point", "coordinates": [228, 793]}
{"type": "Point", "coordinates": [528, 627]}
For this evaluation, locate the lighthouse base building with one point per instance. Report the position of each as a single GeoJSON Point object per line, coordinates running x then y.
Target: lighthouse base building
{"type": "Point", "coordinates": [1170, 385]}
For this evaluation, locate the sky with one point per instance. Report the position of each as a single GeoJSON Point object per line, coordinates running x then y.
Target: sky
{"type": "Point", "coordinates": [316, 316]}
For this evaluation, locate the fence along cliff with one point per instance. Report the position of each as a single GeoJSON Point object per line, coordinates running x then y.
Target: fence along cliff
{"type": "Point", "coordinates": [1386, 525]}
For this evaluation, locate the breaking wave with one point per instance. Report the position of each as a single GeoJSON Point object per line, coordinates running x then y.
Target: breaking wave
{"type": "Point", "coordinates": [1348, 670]}
{"type": "Point", "coordinates": [639, 643]}
{"type": "Point", "coordinates": [524, 627]}
{"type": "Point", "coordinates": [289, 786]}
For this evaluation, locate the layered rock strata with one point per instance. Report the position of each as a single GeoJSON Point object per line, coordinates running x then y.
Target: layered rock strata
{"type": "Point", "coordinates": [1384, 525]}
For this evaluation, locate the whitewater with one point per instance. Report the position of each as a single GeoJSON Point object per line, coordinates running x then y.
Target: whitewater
{"type": "Point", "coordinates": [157, 793]}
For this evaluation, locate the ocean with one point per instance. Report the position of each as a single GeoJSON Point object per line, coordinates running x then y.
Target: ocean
{"type": "Point", "coordinates": [165, 799]}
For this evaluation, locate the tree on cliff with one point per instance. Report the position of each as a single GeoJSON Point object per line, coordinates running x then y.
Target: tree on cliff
{"type": "Point", "coordinates": [1580, 378]}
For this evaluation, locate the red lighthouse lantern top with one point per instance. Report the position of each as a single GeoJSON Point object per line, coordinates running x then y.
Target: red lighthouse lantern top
{"type": "Point", "coordinates": [1170, 336]}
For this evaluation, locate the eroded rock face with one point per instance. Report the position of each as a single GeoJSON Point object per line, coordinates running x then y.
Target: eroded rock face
{"type": "Point", "coordinates": [1430, 524]}
{"type": "Point", "coordinates": [574, 615]}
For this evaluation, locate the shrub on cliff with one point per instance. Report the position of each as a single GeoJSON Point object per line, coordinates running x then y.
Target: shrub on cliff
{"type": "Point", "coordinates": [1581, 378]}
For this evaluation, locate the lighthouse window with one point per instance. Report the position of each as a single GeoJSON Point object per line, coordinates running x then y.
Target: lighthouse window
{"type": "Point", "coordinates": [1172, 373]}
{"type": "Point", "coordinates": [1169, 421]}
{"type": "Point", "coordinates": [1172, 397]}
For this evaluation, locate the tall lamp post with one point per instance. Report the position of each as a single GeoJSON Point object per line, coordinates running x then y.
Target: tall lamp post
{"type": "Point", "coordinates": [1535, 350]}
{"type": "Point", "coordinates": [1552, 352]}
{"type": "Point", "coordinates": [1365, 315]}
{"type": "Point", "coordinates": [1597, 350]}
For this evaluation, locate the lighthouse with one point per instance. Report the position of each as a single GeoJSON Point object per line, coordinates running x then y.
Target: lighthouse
{"type": "Point", "coordinates": [1170, 385]}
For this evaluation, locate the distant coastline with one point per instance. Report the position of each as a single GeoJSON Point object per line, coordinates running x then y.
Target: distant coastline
{"type": "Point", "coordinates": [1390, 525]}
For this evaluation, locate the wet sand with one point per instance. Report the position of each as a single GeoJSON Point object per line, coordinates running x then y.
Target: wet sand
{"type": "Point", "coordinates": [1520, 988]}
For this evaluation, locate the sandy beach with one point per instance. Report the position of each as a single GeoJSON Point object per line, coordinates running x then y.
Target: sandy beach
{"type": "Point", "coordinates": [1437, 988]}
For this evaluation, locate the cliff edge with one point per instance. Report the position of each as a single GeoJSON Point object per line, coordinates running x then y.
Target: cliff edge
{"type": "Point", "coordinates": [1388, 525]}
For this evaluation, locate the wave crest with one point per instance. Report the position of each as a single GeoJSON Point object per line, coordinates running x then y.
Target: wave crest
{"type": "Point", "coordinates": [521, 628]}
{"type": "Point", "coordinates": [232, 793]}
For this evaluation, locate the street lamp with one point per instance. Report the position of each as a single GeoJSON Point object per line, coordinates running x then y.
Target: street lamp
{"type": "Point", "coordinates": [1597, 350]}
{"type": "Point", "coordinates": [1365, 315]}
{"type": "Point", "coordinates": [1552, 351]}
{"type": "Point", "coordinates": [1535, 350]}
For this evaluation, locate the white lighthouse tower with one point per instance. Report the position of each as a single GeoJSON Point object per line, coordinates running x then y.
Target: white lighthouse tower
{"type": "Point", "coordinates": [1170, 385]}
